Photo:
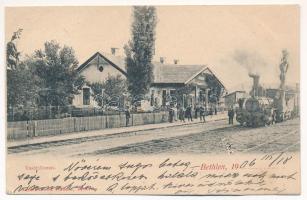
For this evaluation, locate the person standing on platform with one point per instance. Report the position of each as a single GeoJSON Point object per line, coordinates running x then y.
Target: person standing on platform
{"type": "Point", "coordinates": [202, 113]}
{"type": "Point", "coordinates": [170, 114]}
{"type": "Point", "coordinates": [189, 113]}
{"type": "Point", "coordinates": [127, 113]}
{"type": "Point", "coordinates": [181, 114]}
{"type": "Point", "coordinates": [231, 114]}
{"type": "Point", "coordinates": [175, 109]}
{"type": "Point", "coordinates": [196, 111]}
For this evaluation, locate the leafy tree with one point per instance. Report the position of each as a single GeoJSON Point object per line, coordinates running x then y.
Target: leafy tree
{"type": "Point", "coordinates": [12, 54]}
{"type": "Point", "coordinates": [183, 91]}
{"type": "Point", "coordinates": [140, 50]}
{"type": "Point", "coordinates": [215, 88]}
{"type": "Point", "coordinates": [21, 88]}
{"type": "Point", "coordinates": [58, 79]}
{"type": "Point", "coordinates": [113, 86]}
{"type": "Point", "coordinates": [214, 94]}
{"type": "Point", "coordinates": [97, 88]}
{"type": "Point", "coordinates": [283, 66]}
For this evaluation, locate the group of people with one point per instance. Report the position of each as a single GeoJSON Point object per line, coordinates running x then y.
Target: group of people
{"type": "Point", "coordinates": [183, 113]}
{"type": "Point", "coordinates": [175, 113]}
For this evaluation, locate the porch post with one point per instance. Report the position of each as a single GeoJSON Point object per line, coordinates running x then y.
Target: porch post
{"type": "Point", "coordinates": [206, 97]}
{"type": "Point", "coordinates": [196, 95]}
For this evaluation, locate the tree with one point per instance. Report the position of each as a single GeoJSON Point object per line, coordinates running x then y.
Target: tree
{"type": "Point", "coordinates": [283, 66]}
{"type": "Point", "coordinates": [55, 66]}
{"type": "Point", "coordinates": [21, 88]}
{"type": "Point", "coordinates": [113, 86]}
{"type": "Point", "coordinates": [12, 54]}
{"type": "Point", "coordinates": [140, 50]}
{"type": "Point", "coordinates": [215, 88]}
{"type": "Point", "coordinates": [182, 93]}
{"type": "Point", "coordinates": [214, 92]}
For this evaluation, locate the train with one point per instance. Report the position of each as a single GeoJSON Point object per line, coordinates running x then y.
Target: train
{"type": "Point", "coordinates": [262, 111]}
{"type": "Point", "coordinates": [270, 107]}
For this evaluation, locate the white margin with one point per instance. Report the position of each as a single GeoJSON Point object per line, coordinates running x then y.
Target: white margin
{"type": "Point", "coordinates": [303, 81]}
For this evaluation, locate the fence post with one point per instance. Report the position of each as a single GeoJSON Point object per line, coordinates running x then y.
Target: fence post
{"type": "Point", "coordinates": [75, 124]}
{"type": "Point", "coordinates": [131, 119]}
{"type": "Point", "coordinates": [28, 135]}
{"type": "Point", "coordinates": [101, 121]}
{"type": "Point", "coordinates": [107, 121]}
{"type": "Point", "coordinates": [34, 128]}
{"type": "Point", "coordinates": [88, 123]}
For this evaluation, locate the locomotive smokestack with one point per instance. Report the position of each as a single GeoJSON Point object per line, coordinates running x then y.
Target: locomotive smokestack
{"type": "Point", "coordinates": [255, 78]}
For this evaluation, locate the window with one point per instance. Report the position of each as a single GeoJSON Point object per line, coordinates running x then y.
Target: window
{"type": "Point", "coordinates": [172, 92]}
{"type": "Point", "coordinates": [100, 68]}
{"type": "Point", "coordinates": [86, 96]}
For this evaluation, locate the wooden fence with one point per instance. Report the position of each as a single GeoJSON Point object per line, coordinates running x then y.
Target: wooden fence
{"type": "Point", "coordinates": [23, 129]}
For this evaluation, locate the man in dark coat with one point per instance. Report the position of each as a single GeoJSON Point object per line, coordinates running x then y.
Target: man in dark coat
{"type": "Point", "coordinates": [202, 113]}
{"type": "Point", "coordinates": [127, 114]}
{"type": "Point", "coordinates": [181, 114]}
{"type": "Point", "coordinates": [231, 114]}
{"type": "Point", "coordinates": [196, 111]}
{"type": "Point", "coordinates": [189, 113]}
{"type": "Point", "coordinates": [171, 115]}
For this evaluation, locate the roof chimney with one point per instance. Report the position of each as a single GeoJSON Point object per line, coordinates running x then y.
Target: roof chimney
{"type": "Point", "coordinates": [113, 50]}
{"type": "Point", "coordinates": [176, 61]}
{"type": "Point", "coordinates": [162, 60]}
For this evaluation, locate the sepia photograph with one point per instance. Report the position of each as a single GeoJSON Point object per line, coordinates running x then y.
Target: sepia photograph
{"type": "Point", "coordinates": [159, 100]}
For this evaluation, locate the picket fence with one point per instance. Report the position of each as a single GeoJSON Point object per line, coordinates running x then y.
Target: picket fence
{"type": "Point", "coordinates": [23, 129]}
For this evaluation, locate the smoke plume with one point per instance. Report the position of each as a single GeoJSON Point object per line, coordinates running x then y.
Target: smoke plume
{"type": "Point", "coordinates": [251, 61]}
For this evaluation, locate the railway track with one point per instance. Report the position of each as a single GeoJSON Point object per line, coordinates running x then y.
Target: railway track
{"type": "Point", "coordinates": [291, 146]}
{"type": "Point", "coordinates": [163, 144]}
{"type": "Point", "coordinates": [271, 142]}
{"type": "Point", "coordinates": [166, 144]}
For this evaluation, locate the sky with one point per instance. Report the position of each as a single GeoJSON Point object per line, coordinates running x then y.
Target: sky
{"type": "Point", "coordinates": [232, 40]}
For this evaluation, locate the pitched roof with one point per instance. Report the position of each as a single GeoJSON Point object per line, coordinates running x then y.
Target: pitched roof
{"type": "Point", "coordinates": [116, 61]}
{"type": "Point", "coordinates": [163, 73]}
{"type": "Point", "coordinates": [171, 73]}
{"type": "Point", "coordinates": [237, 91]}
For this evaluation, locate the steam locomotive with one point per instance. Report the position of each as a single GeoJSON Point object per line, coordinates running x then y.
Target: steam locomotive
{"type": "Point", "coordinates": [273, 105]}
{"type": "Point", "coordinates": [261, 111]}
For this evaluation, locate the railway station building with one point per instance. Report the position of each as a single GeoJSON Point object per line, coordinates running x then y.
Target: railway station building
{"type": "Point", "coordinates": [168, 79]}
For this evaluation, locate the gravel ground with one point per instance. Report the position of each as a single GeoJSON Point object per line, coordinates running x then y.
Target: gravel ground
{"type": "Point", "coordinates": [241, 139]}
{"type": "Point", "coordinates": [213, 137]}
